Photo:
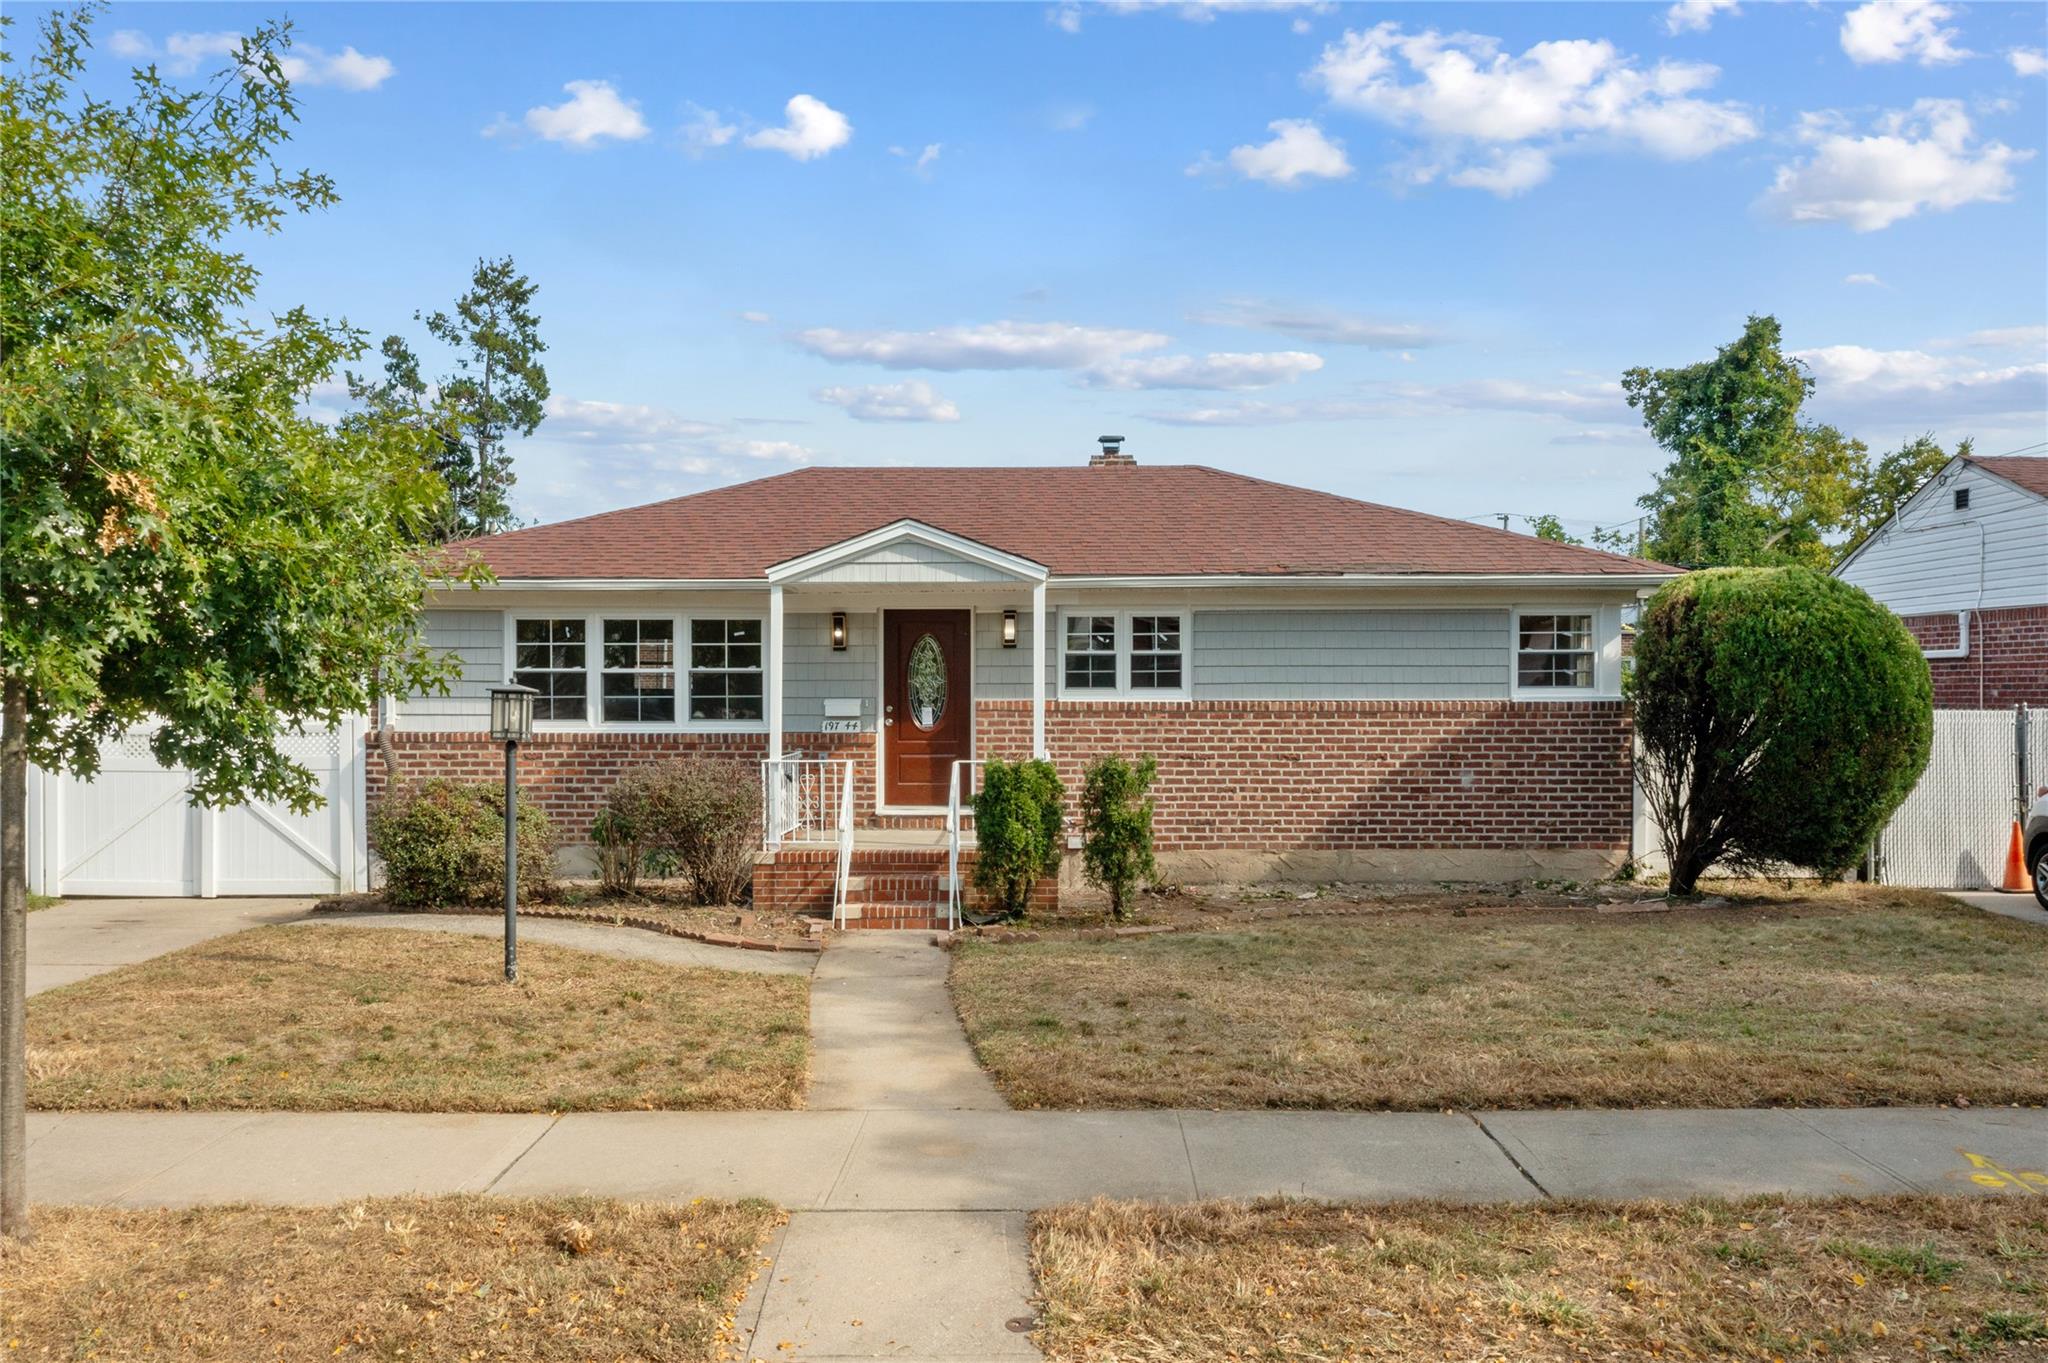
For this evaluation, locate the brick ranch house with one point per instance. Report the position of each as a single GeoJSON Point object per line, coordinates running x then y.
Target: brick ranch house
{"type": "Point", "coordinates": [1333, 689]}
{"type": "Point", "coordinates": [1964, 562]}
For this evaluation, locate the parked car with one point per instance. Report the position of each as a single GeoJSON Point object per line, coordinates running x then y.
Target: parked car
{"type": "Point", "coordinates": [2035, 840]}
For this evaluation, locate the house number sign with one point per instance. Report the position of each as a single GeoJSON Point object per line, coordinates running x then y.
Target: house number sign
{"type": "Point", "coordinates": [841, 726]}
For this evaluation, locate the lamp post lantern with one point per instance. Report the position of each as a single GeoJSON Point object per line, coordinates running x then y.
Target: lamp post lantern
{"type": "Point", "coordinates": [512, 724]}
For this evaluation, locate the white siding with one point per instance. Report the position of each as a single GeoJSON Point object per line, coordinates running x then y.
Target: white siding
{"type": "Point", "coordinates": [909, 561]}
{"type": "Point", "coordinates": [1933, 558]}
{"type": "Point", "coordinates": [1350, 654]}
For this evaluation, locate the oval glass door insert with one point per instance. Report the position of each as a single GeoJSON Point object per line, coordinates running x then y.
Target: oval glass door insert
{"type": "Point", "coordinates": [927, 683]}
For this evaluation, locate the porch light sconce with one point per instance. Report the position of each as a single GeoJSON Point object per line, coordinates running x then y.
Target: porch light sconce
{"type": "Point", "coordinates": [512, 724]}
{"type": "Point", "coordinates": [839, 631]}
{"type": "Point", "coordinates": [1009, 629]}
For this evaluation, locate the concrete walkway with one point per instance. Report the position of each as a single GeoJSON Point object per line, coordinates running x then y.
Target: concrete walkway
{"type": "Point", "coordinates": [884, 1033]}
{"type": "Point", "coordinates": [80, 938]}
{"type": "Point", "coordinates": [1015, 1161]}
{"type": "Point", "coordinates": [632, 944]}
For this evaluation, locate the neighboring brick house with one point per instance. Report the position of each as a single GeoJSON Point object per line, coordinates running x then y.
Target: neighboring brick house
{"type": "Point", "coordinates": [1333, 689]}
{"type": "Point", "coordinates": [1965, 564]}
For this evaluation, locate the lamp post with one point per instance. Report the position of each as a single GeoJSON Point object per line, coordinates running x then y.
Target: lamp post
{"type": "Point", "coordinates": [512, 724]}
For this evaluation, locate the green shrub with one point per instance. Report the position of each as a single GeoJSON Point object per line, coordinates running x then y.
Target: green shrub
{"type": "Point", "coordinates": [617, 839]}
{"type": "Point", "coordinates": [1116, 827]}
{"type": "Point", "coordinates": [703, 813]}
{"type": "Point", "coordinates": [443, 842]}
{"type": "Point", "coordinates": [1784, 716]}
{"type": "Point", "coordinates": [1020, 817]}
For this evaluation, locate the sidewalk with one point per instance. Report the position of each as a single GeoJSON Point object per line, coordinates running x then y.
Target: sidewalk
{"type": "Point", "coordinates": [969, 1161]}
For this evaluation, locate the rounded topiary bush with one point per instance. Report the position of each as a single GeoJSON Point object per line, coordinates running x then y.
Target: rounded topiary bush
{"type": "Point", "coordinates": [1784, 716]}
{"type": "Point", "coordinates": [443, 842]}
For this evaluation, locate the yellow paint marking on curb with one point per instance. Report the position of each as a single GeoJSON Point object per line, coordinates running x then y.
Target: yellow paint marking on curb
{"type": "Point", "coordinates": [1994, 1175]}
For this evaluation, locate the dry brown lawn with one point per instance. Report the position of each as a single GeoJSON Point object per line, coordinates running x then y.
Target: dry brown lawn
{"type": "Point", "coordinates": [326, 1018]}
{"type": "Point", "coordinates": [1849, 997]}
{"type": "Point", "coordinates": [1770, 1279]}
{"type": "Point", "coordinates": [390, 1278]}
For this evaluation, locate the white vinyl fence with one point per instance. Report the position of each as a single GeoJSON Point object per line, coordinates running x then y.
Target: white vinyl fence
{"type": "Point", "coordinates": [1952, 831]}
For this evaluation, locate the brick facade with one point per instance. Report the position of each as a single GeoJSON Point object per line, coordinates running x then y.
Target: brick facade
{"type": "Point", "coordinates": [1238, 777]}
{"type": "Point", "coordinates": [2008, 662]}
{"type": "Point", "coordinates": [1286, 776]}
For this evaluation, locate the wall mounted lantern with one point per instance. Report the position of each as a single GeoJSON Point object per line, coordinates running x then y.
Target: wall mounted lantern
{"type": "Point", "coordinates": [1009, 629]}
{"type": "Point", "coordinates": [839, 631]}
{"type": "Point", "coordinates": [512, 724]}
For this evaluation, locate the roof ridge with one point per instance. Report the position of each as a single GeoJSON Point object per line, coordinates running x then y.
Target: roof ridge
{"type": "Point", "coordinates": [1431, 516]}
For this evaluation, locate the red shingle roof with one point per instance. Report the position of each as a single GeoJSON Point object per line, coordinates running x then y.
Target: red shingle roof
{"type": "Point", "coordinates": [1078, 521]}
{"type": "Point", "coordinates": [2029, 471]}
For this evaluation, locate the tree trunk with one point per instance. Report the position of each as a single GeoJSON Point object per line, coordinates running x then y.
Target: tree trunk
{"type": "Point", "coordinates": [13, 959]}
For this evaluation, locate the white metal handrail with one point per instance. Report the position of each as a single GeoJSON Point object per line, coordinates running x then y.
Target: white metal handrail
{"type": "Point", "coordinates": [809, 800]}
{"type": "Point", "coordinates": [845, 844]}
{"type": "Point", "coordinates": [956, 817]}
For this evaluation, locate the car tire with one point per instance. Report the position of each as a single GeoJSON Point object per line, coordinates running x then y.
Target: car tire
{"type": "Point", "coordinates": [2041, 875]}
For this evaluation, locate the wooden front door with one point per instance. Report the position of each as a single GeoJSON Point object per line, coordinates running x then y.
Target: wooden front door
{"type": "Point", "coordinates": [927, 707]}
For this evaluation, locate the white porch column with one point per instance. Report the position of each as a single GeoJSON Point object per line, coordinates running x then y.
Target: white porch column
{"type": "Point", "coordinates": [1038, 656]}
{"type": "Point", "coordinates": [774, 647]}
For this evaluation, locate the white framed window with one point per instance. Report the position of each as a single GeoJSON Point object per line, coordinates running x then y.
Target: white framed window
{"type": "Point", "coordinates": [552, 655]}
{"type": "Point", "coordinates": [1088, 653]}
{"type": "Point", "coordinates": [726, 678]}
{"type": "Point", "coordinates": [1157, 663]}
{"type": "Point", "coordinates": [1555, 652]}
{"type": "Point", "coordinates": [1133, 655]}
{"type": "Point", "coordinates": [637, 680]}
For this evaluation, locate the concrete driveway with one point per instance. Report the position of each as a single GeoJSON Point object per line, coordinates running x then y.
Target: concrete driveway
{"type": "Point", "coordinates": [81, 938]}
{"type": "Point", "coordinates": [2024, 907]}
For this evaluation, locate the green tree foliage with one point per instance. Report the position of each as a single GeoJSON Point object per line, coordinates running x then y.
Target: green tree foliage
{"type": "Point", "coordinates": [1784, 716]}
{"type": "Point", "coordinates": [1751, 482]}
{"type": "Point", "coordinates": [1020, 817]}
{"type": "Point", "coordinates": [178, 539]}
{"type": "Point", "coordinates": [1549, 527]}
{"type": "Point", "coordinates": [1116, 827]}
{"type": "Point", "coordinates": [1896, 478]}
{"type": "Point", "coordinates": [498, 388]}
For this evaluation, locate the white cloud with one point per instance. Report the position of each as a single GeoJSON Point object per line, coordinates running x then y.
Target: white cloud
{"type": "Point", "coordinates": [594, 111]}
{"type": "Point", "coordinates": [1512, 171]}
{"type": "Point", "coordinates": [1919, 159]}
{"type": "Point", "coordinates": [911, 400]}
{"type": "Point", "coordinates": [629, 426]}
{"type": "Point", "coordinates": [990, 345]}
{"type": "Point", "coordinates": [1893, 30]}
{"type": "Point", "coordinates": [813, 129]}
{"type": "Point", "coordinates": [1599, 403]}
{"type": "Point", "coordinates": [2028, 61]}
{"type": "Point", "coordinates": [1462, 92]}
{"type": "Point", "coordinates": [771, 451]}
{"type": "Point", "coordinates": [921, 161]}
{"type": "Point", "coordinates": [759, 319]}
{"type": "Point", "coordinates": [303, 64]}
{"type": "Point", "coordinates": [1696, 16]}
{"type": "Point", "coordinates": [1868, 279]}
{"type": "Point", "coordinates": [1915, 386]}
{"type": "Point", "coordinates": [1065, 18]}
{"type": "Point", "coordinates": [2032, 339]}
{"type": "Point", "coordinates": [1320, 325]}
{"type": "Point", "coordinates": [706, 131]}
{"type": "Point", "coordinates": [1257, 413]}
{"type": "Point", "coordinates": [1069, 118]}
{"type": "Point", "coordinates": [1218, 371]}
{"type": "Point", "coordinates": [1298, 151]}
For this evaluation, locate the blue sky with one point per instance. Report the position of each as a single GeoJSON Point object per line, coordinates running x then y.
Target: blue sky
{"type": "Point", "coordinates": [1401, 252]}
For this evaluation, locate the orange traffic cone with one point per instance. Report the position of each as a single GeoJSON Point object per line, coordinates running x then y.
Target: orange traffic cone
{"type": "Point", "coordinates": [2015, 864]}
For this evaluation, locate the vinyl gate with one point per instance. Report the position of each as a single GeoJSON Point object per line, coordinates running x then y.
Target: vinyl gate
{"type": "Point", "coordinates": [131, 831]}
{"type": "Point", "coordinates": [1952, 830]}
